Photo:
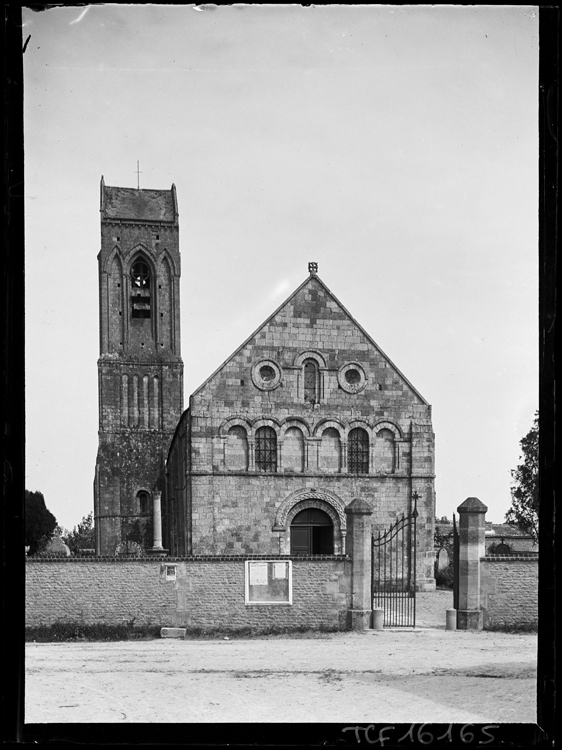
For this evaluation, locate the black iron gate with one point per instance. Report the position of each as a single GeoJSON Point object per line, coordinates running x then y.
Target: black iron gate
{"type": "Point", "coordinates": [394, 571]}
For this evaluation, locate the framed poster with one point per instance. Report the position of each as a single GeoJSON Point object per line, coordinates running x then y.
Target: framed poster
{"type": "Point", "coordinates": [269, 582]}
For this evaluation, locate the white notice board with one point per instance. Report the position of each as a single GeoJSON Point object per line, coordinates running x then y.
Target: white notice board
{"type": "Point", "coordinates": [269, 582]}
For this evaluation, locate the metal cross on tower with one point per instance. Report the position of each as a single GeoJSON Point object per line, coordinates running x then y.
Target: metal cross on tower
{"type": "Point", "coordinates": [138, 173]}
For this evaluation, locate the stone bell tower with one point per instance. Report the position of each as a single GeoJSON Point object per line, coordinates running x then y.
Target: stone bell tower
{"type": "Point", "coordinates": [140, 370]}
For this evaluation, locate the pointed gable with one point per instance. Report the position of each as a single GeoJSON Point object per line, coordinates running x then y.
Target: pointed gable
{"type": "Point", "coordinates": [313, 320]}
{"type": "Point", "coordinates": [307, 412]}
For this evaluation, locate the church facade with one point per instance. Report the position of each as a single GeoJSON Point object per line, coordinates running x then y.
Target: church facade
{"type": "Point", "coordinates": [305, 416]}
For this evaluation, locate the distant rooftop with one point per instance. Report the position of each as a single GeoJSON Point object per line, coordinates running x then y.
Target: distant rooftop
{"type": "Point", "coordinates": [144, 205]}
{"type": "Point", "coordinates": [492, 529]}
{"type": "Point", "coordinates": [503, 529]}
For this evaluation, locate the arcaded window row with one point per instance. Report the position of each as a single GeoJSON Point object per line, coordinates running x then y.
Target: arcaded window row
{"type": "Point", "coordinates": [266, 452]}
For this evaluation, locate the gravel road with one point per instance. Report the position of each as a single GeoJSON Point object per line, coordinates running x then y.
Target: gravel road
{"type": "Point", "coordinates": [422, 675]}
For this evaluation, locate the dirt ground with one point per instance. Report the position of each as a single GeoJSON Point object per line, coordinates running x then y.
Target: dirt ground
{"type": "Point", "coordinates": [426, 675]}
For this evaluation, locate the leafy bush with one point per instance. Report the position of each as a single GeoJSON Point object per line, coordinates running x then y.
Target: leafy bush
{"type": "Point", "coordinates": [524, 511]}
{"type": "Point", "coordinates": [39, 522]}
{"type": "Point", "coordinates": [445, 577]}
{"type": "Point", "coordinates": [82, 536]}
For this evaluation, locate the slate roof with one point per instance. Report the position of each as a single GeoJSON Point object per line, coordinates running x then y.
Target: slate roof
{"type": "Point", "coordinates": [140, 205]}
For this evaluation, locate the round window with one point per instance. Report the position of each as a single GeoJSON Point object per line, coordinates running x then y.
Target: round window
{"type": "Point", "coordinates": [267, 373]}
{"type": "Point", "coordinates": [352, 378]}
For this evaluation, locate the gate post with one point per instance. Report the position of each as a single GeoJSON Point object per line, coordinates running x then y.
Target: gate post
{"type": "Point", "coordinates": [359, 547]}
{"type": "Point", "coordinates": [472, 528]}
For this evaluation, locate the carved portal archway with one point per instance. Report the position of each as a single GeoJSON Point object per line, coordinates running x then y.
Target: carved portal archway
{"type": "Point", "coordinates": [311, 498]}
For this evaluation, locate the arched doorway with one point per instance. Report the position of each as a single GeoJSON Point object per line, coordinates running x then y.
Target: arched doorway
{"type": "Point", "coordinates": [312, 533]}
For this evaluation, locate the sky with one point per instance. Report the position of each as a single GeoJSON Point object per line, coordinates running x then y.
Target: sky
{"type": "Point", "coordinates": [396, 146]}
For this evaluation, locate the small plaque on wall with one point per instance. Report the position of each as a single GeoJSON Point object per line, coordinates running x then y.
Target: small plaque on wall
{"type": "Point", "coordinates": [269, 582]}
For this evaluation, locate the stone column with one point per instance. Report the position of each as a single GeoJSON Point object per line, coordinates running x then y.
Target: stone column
{"type": "Point", "coordinates": [359, 548]}
{"type": "Point", "coordinates": [311, 453]}
{"type": "Point", "coordinates": [472, 526]}
{"type": "Point", "coordinates": [157, 547]}
{"type": "Point", "coordinates": [343, 447]}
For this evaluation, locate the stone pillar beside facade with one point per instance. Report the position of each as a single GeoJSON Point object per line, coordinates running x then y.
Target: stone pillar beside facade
{"type": "Point", "coordinates": [157, 547]}
{"type": "Point", "coordinates": [359, 547]}
{"type": "Point", "coordinates": [472, 527]}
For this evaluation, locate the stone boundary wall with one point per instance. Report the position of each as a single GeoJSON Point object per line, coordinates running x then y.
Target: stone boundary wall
{"type": "Point", "coordinates": [208, 592]}
{"type": "Point", "coordinates": [509, 590]}
{"type": "Point", "coordinates": [493, 591]}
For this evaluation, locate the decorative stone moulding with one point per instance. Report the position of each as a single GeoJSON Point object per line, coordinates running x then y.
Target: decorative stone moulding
{"type": "Point", "coordinates": [309, 354]}
{"type": "Point", "coordinates": [266, 375]}
{"type": "Point", "coordinates": [352, 378]}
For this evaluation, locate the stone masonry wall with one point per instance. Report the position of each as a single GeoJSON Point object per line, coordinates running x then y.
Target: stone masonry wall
{"type": "Point", "coordinates": [208, 592]}
{"type": "Point", "coordinates": [97, 591]}
{"type": "Point", "coordinates": [239, 512]}
{"type": "Point", "coordinates": [140, 372]}
{"type": "Point", "coordinates": [233, 504]}
{"type": "Point", "coordinates": [509, 590]}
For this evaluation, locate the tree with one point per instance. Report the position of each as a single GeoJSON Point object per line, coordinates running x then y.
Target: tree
{"type": "Point", "coordinates": [524, 511]}
{"type": "Point", "coordinates": [82, 536]}
{"type": "Point", "coordinates": [39, 522]}
{"type": "Point", "coordinates": [443, 539]}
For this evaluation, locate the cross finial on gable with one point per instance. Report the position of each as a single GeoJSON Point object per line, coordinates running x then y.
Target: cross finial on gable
{"type": "Point", "coordinates": [313, 269]}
